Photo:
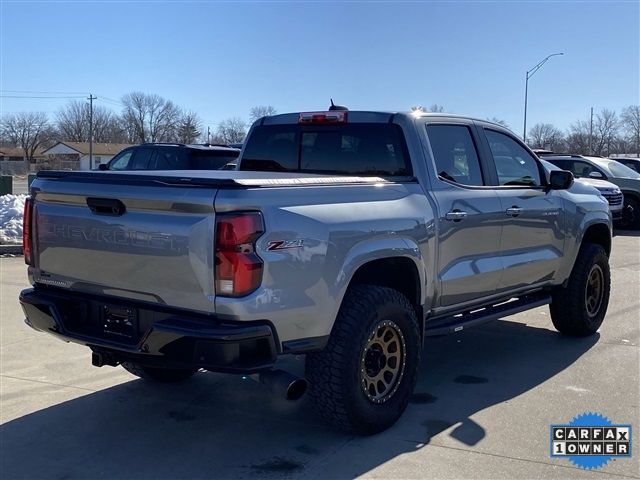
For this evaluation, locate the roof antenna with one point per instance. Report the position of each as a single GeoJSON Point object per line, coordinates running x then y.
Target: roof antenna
{"type": "Point", "coordinates": [334, 107]}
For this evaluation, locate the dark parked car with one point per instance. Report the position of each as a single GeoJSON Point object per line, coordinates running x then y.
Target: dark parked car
{"type": "Point", "coordinates": [633, 163]}
{"type": "Point", "coordinates": [172, 156]}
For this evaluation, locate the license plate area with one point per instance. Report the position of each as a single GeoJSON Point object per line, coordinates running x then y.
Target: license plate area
{"type": "Point", "coordinates": [120, 321]}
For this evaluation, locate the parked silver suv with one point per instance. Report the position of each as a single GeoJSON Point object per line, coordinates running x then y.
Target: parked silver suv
{"type": "Point", "coordinates": [608, 190]}
{"type": "Point", "coordinates": [605, 169]}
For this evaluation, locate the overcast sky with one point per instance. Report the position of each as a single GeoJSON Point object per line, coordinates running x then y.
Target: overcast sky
{"type": "Point", "coordinates": [221, 58]}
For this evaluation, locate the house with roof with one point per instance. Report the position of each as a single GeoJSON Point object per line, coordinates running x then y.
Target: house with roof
{"type": "Point", "coordinates": [12, 160]}
{"type": "Point", "coordinates": [75, 155]}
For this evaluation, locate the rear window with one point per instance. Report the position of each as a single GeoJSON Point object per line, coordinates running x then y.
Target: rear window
{"type": "Point", "coordinates": [353, 149]}
{"type": "Point", "coordinates": [182, 159]}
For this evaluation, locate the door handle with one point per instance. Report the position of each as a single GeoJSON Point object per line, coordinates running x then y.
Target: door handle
{"type": "Point", "coordinates": [106, 206]}
{"type": "Point", "coordinates": [514, 211]}
{"type": "Point", "coordinates": [455, 215]}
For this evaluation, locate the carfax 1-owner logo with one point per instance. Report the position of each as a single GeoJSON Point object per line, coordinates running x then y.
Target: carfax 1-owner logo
{"type": "Point", "coordinates": [590, 440]}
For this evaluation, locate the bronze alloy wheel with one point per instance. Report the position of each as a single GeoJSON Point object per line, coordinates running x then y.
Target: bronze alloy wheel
{"type": "Point", "coordinates": [382, 362]}
{"type": "Point", "coordinates": [594, 290]}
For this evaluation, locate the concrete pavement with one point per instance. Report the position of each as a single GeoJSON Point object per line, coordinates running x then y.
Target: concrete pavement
{"type": "Point", "coordinates": [482, 408]}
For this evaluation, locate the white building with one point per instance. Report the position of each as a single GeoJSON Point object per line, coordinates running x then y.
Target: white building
{"type": "Point", "coordinates": [75, 155]}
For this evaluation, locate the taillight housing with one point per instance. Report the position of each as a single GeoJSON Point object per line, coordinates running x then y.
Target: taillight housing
{"type": "Point", "coordinates": [238, 268]}
{"type": "Point", "coordinates": [27, 231]}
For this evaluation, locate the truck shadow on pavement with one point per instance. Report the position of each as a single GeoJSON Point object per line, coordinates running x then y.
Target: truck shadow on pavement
{"type": "Point", "coordinates": [225, 426]}
{"type": "Point", "coordinates": [626, 233]}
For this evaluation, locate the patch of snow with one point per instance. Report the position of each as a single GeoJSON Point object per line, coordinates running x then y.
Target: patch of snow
{"type": "Point", "coordinates": [576, 389]}
{"type": "Point", "coordinates": [11, 211]}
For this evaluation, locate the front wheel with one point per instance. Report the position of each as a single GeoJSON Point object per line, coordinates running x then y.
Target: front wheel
{"type": "Point", "coordinates": [579, 308]}
{"type": "Point", "coordinates": [362, 380]}
{"type": "Point", "coordinates": [159, 374]}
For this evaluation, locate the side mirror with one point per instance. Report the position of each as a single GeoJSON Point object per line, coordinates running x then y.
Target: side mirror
{"type": "Point", "coordinates": [595, 174]}
{"type": "Point", "coordinates": [560, 179]}
{"type": "Point", "coordinates": [103, 167]}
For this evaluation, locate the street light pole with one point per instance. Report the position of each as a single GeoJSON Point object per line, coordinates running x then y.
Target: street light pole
{"type": "Point", "coordinates": [530, 74]}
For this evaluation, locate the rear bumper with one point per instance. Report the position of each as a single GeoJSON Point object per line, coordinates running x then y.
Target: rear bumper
{"type": "Point", "coordinates": [158, 336]}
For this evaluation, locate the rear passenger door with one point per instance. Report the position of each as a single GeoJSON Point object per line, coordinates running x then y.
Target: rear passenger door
{"type": "Point", "coordinates": [141, 159]}
{"type": "Point", "coordinates": [169, 158]}
{"type": "Point", "coordinates": [469, 224]}
{"type": "Point", "coordinates": [532, 217]}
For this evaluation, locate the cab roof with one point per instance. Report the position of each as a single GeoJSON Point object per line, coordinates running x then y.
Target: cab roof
{"type": "Point", "coordinates": [365, 116]}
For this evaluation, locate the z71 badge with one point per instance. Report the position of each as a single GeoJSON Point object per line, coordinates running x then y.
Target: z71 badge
{"type": "Point", "coordinates": [284, 244]}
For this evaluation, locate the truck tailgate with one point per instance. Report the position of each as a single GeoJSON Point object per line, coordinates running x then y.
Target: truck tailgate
{"type": "Point", "coordinates": [144, 241]}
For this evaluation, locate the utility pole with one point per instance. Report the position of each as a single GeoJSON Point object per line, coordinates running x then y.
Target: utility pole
{"type": "Point", "coordinates": [591, 133]}
{"type": "Point", "coordinates": [91, 99]}
{"type": "Point", "coordinates": [208, 134]}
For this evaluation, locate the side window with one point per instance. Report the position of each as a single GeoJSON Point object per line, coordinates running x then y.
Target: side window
{"type": "Point", "coordinates": [563, 164]}
{"type": "Point", "coordinates": [170, 158]}
{"type": "Point", "coordinates": [515, 166]}
{"type": "Point", "coordinates": [455, 154]}
{"type": "Point", "coordinates": [141, 159]}
{"type": "Point", "coordinates": [632, 165]}
{"type": "Point", "coordinates": [583, 169]}
{"type": "Point", "coordinates": [121, 161]}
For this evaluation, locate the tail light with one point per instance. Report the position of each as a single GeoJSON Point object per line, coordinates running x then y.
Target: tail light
{"type": "Point", "coordinates": [238, 268]}
{"type": "Point", "coordinates": [27, 232]}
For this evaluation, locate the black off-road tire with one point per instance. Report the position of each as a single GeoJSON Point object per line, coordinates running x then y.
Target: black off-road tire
{"type": "Point", "coordinates": [157, 374]}
{"type": "Point", "coordinates": [571, 312]}
{"type": "Point", "coordinates": [334, 374]}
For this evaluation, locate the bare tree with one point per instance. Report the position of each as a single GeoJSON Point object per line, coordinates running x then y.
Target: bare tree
{"type": "Point", "coordinates": [499, 121]}
{"type": "Point", "coordinates": [621, 144]}
{"type": "Point", "coordinates": [605, 129]}
{"type": "Point", "coordinates": [72, 122]}
{"type": "Point", "coordinates": [107, 126]}
{"type": "Point", "coordinates": [435, 108]}
{"type": "Point", "coordinates": [631, 124]}
{"type": "Point", "coordinates": [188, 129]}
{"type": "Point", "coordinates": [545, 135]}
{"type": "Point", "coordinates": [231, 130]}
{"type": "Point", "coordinates": [27, 130]}
{"type": "Point", "coordinates": [578, 140]}
{"type": "Point", "coordinates": [261, 111]}
{"type": "Point", "coordinates": [150, 117]}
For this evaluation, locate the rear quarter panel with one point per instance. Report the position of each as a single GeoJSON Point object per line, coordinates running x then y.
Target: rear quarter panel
{"type": "Point", "coordinates": [341, 228]}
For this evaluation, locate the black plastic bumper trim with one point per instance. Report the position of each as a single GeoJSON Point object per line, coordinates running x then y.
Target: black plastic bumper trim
{"type": "Point", "coordinates": [177, 340]}
{"type": "Point", "coordinates": [305, 345]}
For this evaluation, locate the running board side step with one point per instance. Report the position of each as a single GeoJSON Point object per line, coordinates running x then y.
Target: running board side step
{"type": "Point", "coordinates": [471, 318]}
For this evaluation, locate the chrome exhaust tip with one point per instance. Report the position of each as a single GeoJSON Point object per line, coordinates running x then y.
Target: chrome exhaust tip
{"type": "Point", "coordinates": [284, 384]}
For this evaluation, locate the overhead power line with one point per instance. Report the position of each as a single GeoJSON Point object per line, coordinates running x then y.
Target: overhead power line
{"type": "Point", "coordinates": [27, 96]}
{"type": "Point", "coordinates": [43, 92]}
{"type": "Point", "coordinates": [110, 101]}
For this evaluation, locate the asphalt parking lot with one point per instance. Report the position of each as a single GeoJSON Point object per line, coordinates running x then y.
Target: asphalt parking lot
{"type": "Point", "coordinates": [20, 186]}
{"type": "Point", "coordinates": [482, 409]}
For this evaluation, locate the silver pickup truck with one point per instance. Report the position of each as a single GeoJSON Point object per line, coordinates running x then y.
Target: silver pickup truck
{"type": "Point", "coordinates": [347, 236]}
